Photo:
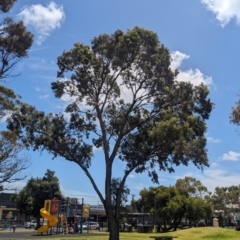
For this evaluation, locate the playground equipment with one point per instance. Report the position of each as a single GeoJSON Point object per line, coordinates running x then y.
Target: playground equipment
{"type": "Point", "coordinates": [49, 212]}
{"type": "Point", "coordinates": [60, 216]}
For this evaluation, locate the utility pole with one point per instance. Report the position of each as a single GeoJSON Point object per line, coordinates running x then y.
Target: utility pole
{"type": "Point", "coordinates": [155, 227]}
{"type": "Point", "coordinates": [133, 197]}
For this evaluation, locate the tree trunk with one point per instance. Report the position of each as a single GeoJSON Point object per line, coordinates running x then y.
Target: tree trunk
{"type": "Point", "coordinates": [113, 218]}
{"type": "Point", "coordinates": [113, 223]}
{"type": "Point", "coordinates": [114, 229]}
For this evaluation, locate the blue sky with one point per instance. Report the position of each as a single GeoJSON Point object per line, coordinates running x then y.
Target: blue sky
{"type": "Point", "coordinates": [203, 37]}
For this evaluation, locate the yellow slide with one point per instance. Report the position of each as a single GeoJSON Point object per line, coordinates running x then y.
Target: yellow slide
{"type": "Point", "coordinates": [52, 221]}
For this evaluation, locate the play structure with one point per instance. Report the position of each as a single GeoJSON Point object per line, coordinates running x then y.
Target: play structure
{"type": "Point", "coordinates": [50, 213]}
{"type": "Point", "coordinates": [61, 218]}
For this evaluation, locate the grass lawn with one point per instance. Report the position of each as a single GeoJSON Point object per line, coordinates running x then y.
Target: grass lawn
{"type": "Point", "coordinates": [206, 233]}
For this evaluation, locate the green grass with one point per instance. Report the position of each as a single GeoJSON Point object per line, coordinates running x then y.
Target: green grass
{"type": "Point", "coordinates": [205, 233]}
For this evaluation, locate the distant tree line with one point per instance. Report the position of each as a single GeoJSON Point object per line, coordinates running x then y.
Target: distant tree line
{"type": "Point", "coordinates": [188, 202]}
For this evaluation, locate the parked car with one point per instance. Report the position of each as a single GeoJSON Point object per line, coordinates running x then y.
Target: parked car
{"type": "Point", "coordinates": [145, 223]}
{"type": "Point", "coordinates": [90, 226]}
{"type": "Point", "coordinates": [31, 224]}
{"type": "Point", "coordinates": [124, 226]}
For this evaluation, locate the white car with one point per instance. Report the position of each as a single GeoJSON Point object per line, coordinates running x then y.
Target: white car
{"type": "Point", "coordinates": [31, 224]}
{"type": "Point", "coordinates": [90, 226]}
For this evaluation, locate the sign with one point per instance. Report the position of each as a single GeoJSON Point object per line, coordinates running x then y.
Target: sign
{"type": "Point", "coordinates": [86, 210]}
{"type": "Point", "coordinates": [97, 207]}
{"type": "Point", "coordinates": [9, 215]}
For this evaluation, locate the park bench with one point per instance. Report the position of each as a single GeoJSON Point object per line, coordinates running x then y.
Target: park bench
{"type": "Point", "coordinates": [163, 237]}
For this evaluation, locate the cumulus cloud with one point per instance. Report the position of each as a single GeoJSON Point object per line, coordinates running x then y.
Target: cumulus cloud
{"type": "Point", "coordinates": [218, 177]}
{"type": "Point", "coordinates": [43, 19]}
{"type": "Point", "coordinates": [213, 140]}
{"type": "Point", "coordinates": [177, 59]}
{"type": "Point", "coordinates": [224, 10]}
{"type": "Point", "coordinates": [231, 156]}
{"type": "Point", "coordinates": [45, 96]}
{"type": "Point", "coordinates": [89, 198]}
{"type": "Point", "coordinates": [214, 176]}
{"type": "Point", "coordinates": [195, 76]}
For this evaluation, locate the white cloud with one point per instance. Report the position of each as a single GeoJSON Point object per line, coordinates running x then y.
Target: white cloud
{"type": "Point", "coordinates": [213, 140]}
{"type": "Point", "coordinates": [131, 176]}
{"type": "Point", "coordinates": [194, 76]}
{"type": "Point", "coordinates": [139, 186]}
{"type": "Point", "coordinates": [43, 19]}
{"type": "Point", "coordinates": [231, 156]}
{"type": "Point", "coordinates": [89, 198]}
{"type": "Point", "coordinates": [214, 165]}
{"type": "Point", "coordinates": [45, 96]}
{"type": "Point", "coordinates": [17, 186]}
{"type": "Point", "coordinates": [225, 10]}
{"type": "Point", "coordinates": [177, 58]}
{"type": "Point", "coordinates": [213, 178]}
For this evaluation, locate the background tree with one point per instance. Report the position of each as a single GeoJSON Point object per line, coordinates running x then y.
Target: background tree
{"type": "Point", "coordinates": [5, 5]}
{"type": "Point", "coordinates": [219, 198]}
{"type": "Point", "coordinates": [170, 205]}
{"type": "Point", "coordinates": [173, 206]}
{"type": "Point", "coordinates": [198, 209]}
{"type": "Point", "coordinates": [12, 160]}
{"type": "Point", "coordinates": [126, 101]}
{"type": "Point", "coordinates": [15, 41]}
{"type": "Point", "coordinates": [235, 115]}
{"type": "Point", "coordinates": [115, 188]}
{"type": "Point", "coordinates": [191, 187]}
{"type": "Point", "coordinates": [227, 200]}
{"type": "Point", "coordinates": [31, 198]}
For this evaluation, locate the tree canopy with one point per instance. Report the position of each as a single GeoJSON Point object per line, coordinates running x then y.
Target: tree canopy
{"type": "Point", "coordinates": [172, 206]}
{"type": "Point", "coordinates": [15, 41]}
{"type": "Point", "coordinates": [126, 101]}
{"type": "Point", "coordinates": [191, 187]}
{"type": "Point", "coordinates": [12, 160]}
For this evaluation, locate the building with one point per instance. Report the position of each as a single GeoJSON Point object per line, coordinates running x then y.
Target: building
{"type": "Point", "coordinates": [8, 210]}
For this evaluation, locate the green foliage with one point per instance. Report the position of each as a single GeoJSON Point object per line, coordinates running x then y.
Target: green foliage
{"type": "Point", "coordinates": [235, 115]}
{"type": "Point", "coordinates": [31, 198]}
{"type": "Point", "coordinates": [15, 41]}
{"type": "Point", "coordinates": [189, 186]}
{"type": "Point", "coordinates": [173, 204]}
{"type": "Point", "coordinates": [170, 204]}
{"type": "Point", "coordinates": [124, 95]}
{"type": "Point", "coordinates": [115, 188]}
{"type": "Point", "coordinates": [12, 161]}
{"type": "Point", "coordinates": [5, 5]}
{"type": "Point", "coordinates": [226, 199]}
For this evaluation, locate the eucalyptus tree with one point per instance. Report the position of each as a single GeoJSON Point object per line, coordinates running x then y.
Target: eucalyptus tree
{"type": "Point", "coordinates": [15, 41]}
{"type": "Point", "coordinates": [13, 161]}
{"type": "Point", "coordinates": [191, 187]}
{"type": "Point", "coordinates": [125, 100]}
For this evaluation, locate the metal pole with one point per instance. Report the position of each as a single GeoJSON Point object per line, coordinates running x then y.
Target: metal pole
{"type": "Point", "coordinates": [155, 209]}
{"type": "Point", "coordinates": [81, 221]}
